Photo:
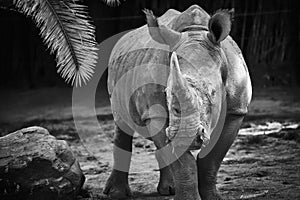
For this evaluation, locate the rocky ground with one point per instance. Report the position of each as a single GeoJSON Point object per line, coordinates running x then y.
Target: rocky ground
{"type": "Point", "coordinates": [263, 163]}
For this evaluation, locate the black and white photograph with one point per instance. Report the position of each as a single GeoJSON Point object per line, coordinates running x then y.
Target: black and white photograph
{"type": "Point", "coordinates": [149, 100]}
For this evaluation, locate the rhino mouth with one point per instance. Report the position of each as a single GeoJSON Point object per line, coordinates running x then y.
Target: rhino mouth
{"type": "Point", "coordinates": [194, 28]}
{"type": "Point", "coordinates": [188, 142]}
{"type": "Point", "coordinates": [196, 144]}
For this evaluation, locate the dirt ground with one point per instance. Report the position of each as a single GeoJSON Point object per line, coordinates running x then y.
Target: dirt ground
{"type": "Point", "coordinates": [263, 162]}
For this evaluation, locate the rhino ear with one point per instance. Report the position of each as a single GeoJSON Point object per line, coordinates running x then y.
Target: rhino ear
{"type": "Point", "coordinates": [219, 25]}
{"type": "Point", "coordinates": [161, 34]}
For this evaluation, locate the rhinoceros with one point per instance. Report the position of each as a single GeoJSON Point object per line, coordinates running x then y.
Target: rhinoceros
{"type": "Point", "coordinates": [182, 82]}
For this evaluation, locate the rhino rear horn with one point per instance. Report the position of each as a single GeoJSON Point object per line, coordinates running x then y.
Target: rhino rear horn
{"type": "Point", "coordinates": [219, 26]}
{"type": "Point", "coordinates": [161, 34]}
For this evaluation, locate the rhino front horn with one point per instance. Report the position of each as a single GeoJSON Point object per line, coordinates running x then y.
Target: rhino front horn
{"type": "Point", "coordinates": [176, 81]}
{"type": "Point", "coordinates": [161, 34]}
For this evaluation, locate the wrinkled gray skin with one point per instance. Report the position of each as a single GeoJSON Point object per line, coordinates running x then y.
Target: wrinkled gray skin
{"type": "Point", "coordinates": [207, 75]}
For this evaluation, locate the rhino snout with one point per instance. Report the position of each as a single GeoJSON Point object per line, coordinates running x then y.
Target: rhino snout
{"type": "Point", "coordinates": [188, 141]}
{"type": "Point", "coordinates": [198, 140]}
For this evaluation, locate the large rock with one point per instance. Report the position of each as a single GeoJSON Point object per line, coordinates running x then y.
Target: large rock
{"type": "Point", "coordinates": [35, 165]}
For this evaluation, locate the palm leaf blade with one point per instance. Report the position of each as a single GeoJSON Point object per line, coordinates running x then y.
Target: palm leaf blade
{"type": "Point", "coordinates": [112, 2]}
{"type": "Point", "coordinates": [67, 31]}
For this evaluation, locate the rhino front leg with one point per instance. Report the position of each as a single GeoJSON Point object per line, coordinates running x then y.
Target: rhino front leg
{"type": "Point", "coordinates": [210, 164]}
{"type": "Point", "coordinates": [184, 172]}
{"type": "Point", "coordinates": [117, 184]}
{"type": "Point", "coordinates": [185, 177]}
{"type": "Point", "coordinates": [166, 185]}
{"type": "Point", "coordinates": [183, 169]}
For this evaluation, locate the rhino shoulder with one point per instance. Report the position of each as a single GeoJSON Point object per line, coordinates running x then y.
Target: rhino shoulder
{"type": "Point", "coordinates": [238, 83]}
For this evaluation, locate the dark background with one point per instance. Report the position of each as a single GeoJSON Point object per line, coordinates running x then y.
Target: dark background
{"type": "Point", "coordinates": [262, 164]}
{"type": "Point", "coordinates": [266, 31]}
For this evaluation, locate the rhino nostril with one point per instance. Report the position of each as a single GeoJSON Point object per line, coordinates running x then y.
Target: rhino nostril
{"type": "Point", "coordinates": [198, 139]}
{"type": "Point", "coordinates": [201, 131]}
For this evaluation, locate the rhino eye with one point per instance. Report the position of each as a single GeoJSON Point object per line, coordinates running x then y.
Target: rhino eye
{"type": "Point", "coordinates": [176, 110]}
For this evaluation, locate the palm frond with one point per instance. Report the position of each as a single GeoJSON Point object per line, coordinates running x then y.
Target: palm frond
{"type": "Point", "coordinates": [112, 2]}
{"type": "Point", "coordinates": [66, 29]}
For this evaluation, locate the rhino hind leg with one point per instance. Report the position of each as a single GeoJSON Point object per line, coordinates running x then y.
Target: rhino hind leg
{"type": "Point", "coordinates": [117, 186]}
{"type": "Point", "coordinates": [209, 165]}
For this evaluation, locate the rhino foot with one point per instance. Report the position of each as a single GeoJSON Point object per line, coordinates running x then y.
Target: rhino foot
{"type": "Point", "coordinates": [117, 189]}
